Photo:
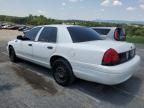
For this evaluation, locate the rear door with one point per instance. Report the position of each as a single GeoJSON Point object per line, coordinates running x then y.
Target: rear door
{"type": "Point", "coordinates": [45, 45]}
{"type": "Point", "coordinates": [27, 45]}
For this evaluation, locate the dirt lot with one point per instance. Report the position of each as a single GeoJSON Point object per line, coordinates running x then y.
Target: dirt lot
{"type": "Point", "coordinates": [8, 34]}
{"type": "Point", "coordinates": [26, 85]}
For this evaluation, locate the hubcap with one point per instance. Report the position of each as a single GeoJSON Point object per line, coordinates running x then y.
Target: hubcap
{"type": "Point", "coordinates": [60, 74]}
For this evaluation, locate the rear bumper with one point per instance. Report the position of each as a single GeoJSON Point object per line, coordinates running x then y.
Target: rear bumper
{"type": "Point", "coordinates": [109, 75]}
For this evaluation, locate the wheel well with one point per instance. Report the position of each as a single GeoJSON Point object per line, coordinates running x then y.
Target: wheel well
{"type": "Point", "coordinates": [54, 58]}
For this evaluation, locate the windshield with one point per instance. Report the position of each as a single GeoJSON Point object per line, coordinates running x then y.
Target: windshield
{"type": "Point", "coordinates": [83, 34]}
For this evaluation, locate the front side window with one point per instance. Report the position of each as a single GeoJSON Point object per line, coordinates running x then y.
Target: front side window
{"type": "Point", "coordinates": [83, 34]}
{"type": "Point", "coordinates": [31, 35]}
{"type": "Point", "coordinates": [49, 34]}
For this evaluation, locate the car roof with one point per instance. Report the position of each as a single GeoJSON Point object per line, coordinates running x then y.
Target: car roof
{"type": "Point", "coordinates": [59, 26]}
{"type": "Point", "coordinates": [105, 27]}
{"type": "Point", "coordinates": [56, 25]}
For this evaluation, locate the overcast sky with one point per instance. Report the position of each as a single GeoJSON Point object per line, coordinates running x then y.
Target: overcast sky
{"type": "Point", "coordinates": [76, 9]}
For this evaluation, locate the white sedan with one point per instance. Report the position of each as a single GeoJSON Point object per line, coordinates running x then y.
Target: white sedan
{"type": "Point", "coordinates": [76, 52]}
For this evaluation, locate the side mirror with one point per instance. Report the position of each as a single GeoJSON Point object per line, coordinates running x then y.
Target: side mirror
{"type": "Point", "coordinates": [19, 37]}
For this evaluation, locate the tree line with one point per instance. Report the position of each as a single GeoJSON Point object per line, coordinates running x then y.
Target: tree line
{"type": "Point", "coordinates": [42, 20]}
{"type": "Point", "coordinates": [29, 20]}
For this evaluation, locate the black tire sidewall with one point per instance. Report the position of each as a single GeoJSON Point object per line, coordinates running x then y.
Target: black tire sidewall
{"type": "Point", "coordinates": [12, 54]}
{"type": "Point", "coordinates": [68, 73]}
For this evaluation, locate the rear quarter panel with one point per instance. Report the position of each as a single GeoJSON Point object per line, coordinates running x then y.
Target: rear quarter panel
{"type": "Point", "coordinates": [87, 54]}
{"type": "Point", "coordinates": [80, 55]}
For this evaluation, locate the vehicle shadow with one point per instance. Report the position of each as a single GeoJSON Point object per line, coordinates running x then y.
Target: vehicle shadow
{"type": "Point", "coordinates": [36, 68]}
{"type": "Point", "coordinates": [121, 94]}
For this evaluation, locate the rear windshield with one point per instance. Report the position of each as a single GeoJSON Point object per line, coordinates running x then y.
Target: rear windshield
{"type": "Point", "coordinates": [102, 31]}
{"type": "Point", "coordinates": [83, 34]}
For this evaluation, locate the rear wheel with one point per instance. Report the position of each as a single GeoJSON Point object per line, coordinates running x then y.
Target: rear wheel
{"type": "Point", "coordinates": [62, 72]}
{"type": "Point", "coordinates": [12, 55]}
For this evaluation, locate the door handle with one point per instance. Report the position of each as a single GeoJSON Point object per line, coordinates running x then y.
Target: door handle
{"type": "Point", "coordinates": [29, 44]}
{"type": "Point", "coordinates": [50, 47]}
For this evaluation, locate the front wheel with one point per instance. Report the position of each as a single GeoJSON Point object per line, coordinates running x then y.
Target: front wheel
{"type": "Point", "coordinates": [12, 55]}
{"type": "Point", "coordinates": [62, 72]}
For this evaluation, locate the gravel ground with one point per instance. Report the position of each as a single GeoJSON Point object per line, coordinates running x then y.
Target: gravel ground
{"type": "Point", "coordinates": [26, 85]}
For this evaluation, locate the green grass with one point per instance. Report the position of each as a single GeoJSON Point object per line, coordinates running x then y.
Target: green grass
{"type": "Point", "coordinates": [135, 39]}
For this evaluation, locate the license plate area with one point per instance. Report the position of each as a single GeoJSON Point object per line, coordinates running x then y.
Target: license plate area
{"type": "Point", "coordinates": [126, 56]}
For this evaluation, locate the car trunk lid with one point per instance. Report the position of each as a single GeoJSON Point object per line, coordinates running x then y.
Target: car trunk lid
{"type": "Point", "coordinates": [120, 47]}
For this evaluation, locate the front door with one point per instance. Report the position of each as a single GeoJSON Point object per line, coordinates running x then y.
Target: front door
{"type": "Point", "coordinates": [27, 44]}
{"type": "Point", "coordinates": [45, 45]}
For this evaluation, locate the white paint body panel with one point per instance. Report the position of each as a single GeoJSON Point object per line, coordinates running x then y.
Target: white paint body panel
{"type": "Point", "coordinates": [85, 57]}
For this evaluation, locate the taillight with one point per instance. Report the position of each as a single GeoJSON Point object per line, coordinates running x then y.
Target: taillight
{"type": "Point", "coordinates": [116, 35]}
{"type": "Point", "coordinates": [111, 57]}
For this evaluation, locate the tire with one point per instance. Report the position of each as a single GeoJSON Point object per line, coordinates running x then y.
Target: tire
{"type": "Point", "coordinates": [62, 72]}
{"type": "Point", "coordinates": [12, 55]}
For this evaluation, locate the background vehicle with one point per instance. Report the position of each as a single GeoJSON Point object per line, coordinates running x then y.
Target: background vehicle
{"type": "Point", "coordinates": [25, 28]}
{"type": "Point", "coordinates": [0, 26]}
{"type": "Point", "coordinates": [111, 33]}
{"type": "Point", "coordinates": [6, 26]}
{"type": "Point", "coordinates": [13, 27]}
{"type": "Point", "coordinates": [76, 51]}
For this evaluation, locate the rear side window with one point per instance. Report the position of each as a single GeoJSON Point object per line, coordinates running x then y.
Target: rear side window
{"type": "Point", "coordinates": [102, 31]}
{"type": "Point", "coordinates": [49, 34]}
{"type": "Point", "coordinates": [83, 34]}
{"type": "Point", "coordinates": [31, 35]}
